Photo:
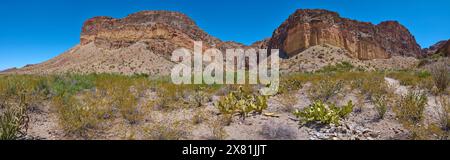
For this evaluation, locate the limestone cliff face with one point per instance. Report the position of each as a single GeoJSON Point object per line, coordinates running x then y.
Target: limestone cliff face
{"type": "Point", "coordinates": [365, 41]}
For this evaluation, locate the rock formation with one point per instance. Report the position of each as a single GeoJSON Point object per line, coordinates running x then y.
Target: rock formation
{"type": "Point", "coordinates": [143, 42]}
{"type": "Point", "coordinates": [433, 49]}
{"type": "Point", "coordinates": [139, 43]}
{"type": "Point", "coordinates": [365, 41]}
{"type": "Point", "coordinates": [444, 49]}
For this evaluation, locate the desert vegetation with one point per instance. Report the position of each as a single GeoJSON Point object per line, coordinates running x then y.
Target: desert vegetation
{"type": "Point", "coordinates": [110, 106]}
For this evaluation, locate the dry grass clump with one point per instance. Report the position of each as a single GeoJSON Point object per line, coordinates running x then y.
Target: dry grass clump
{"type": "Point", "coordinates": [17, 94]}
{"type": "Point", "coordinates": [417, 79]}
{"type": "Point", "coordinates": [217, 130]}
{"type": "Point", "coordinates": [411, 107]}
{"type": "Point", "coordinates": [13, 121]}
{"type": "Point", "coordinates": [288, 100]}
{"type": "Point", "coordinates": [166, 130]}
{"type": "Point", "coordinates": [325, 89]}
{"type": "Point", "coordinates": [199, 117]}
{"type": "Point", "coordinates": [441, 76]}
{"type": "Point", "coordinates": [82, 115]}
{"type": "Point", "coordinates": [444, 112]}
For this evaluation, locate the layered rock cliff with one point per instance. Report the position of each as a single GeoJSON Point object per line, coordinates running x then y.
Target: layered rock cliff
{"type": "Point", "coordinates": [362, 40]}
{"type": "Point", "coordinates": [139, 43]}
{"type": "Point", "coordinates": [164, 31]}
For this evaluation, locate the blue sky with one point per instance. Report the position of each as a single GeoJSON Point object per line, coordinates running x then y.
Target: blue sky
{"type": "Point", "coordinates": [32, 31]}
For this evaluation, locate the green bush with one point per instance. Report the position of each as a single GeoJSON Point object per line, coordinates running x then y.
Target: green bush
{"type": "Point", "coordinates": [324, 114]}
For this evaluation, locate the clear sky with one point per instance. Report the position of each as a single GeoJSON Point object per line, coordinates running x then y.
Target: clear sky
{"type": "Point", "coordinates": [32, 31]}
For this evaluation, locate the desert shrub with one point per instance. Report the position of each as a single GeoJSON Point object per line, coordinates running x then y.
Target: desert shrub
{"type": "Point", "coordinates": [81, 115]}
{"type": "Point", "coordinates": [217, 130]}
{"type": "Point", "coordinates": [325, 89]}
{"type": "Point", "coordinates": [198, 97]}
{"type": "Point", "coordinates": [441, 76]}
{"type": "Point", "coordinates": [381, 104]}
{"type": "Point", "coordinates": [242, 102]}
{"type": "Point", "coordinates": [289, 84]}
{"type": "Point", "coordinates": [410, 108]}
{"type": "Point", "coordinates": [171, 96]}
{"type": "Point", "coordinates": [374, 85]}
{"type": "Point", "coordinates": [17, 94]}
{"type": "Point", "coordinates": [324, 114]}
{"type": "Point", "coordinates": [444, 112]}
{"type": "Point", "coordinates": [166, 130]}
{"type": "Point", "coordinates": [339, 67]}
{"type": "Point", "coordinates": [126, 102]}
{"type": "Point", "coordinates": [128, 108]}
{"type": "Point", "coordinates": [71, 84]}
{"type": "Point", "coordinates": [225, 119]}
{"type": "Point", "coordinates": [277, 131]}
{"type": "Point", "coordinates": [13, 120]}
{"type": "Point", "coordinates": [167, 100]}
{"type": "Point", "coordinates": [198, 117]}
{"type": "Point", "coordinates": [288, 100]}
{"type": "Point", "coordinates": [123, 93]}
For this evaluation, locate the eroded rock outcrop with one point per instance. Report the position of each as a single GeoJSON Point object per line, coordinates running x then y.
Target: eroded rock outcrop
{"type": "Point", "coordinates": [164, 31]}
{"type": "Point", "coordinates": [444, 49]}
{"type": "Point", "coordinates": [365, 41]}
{"type": "Point", "coordinates": [433, 49]}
